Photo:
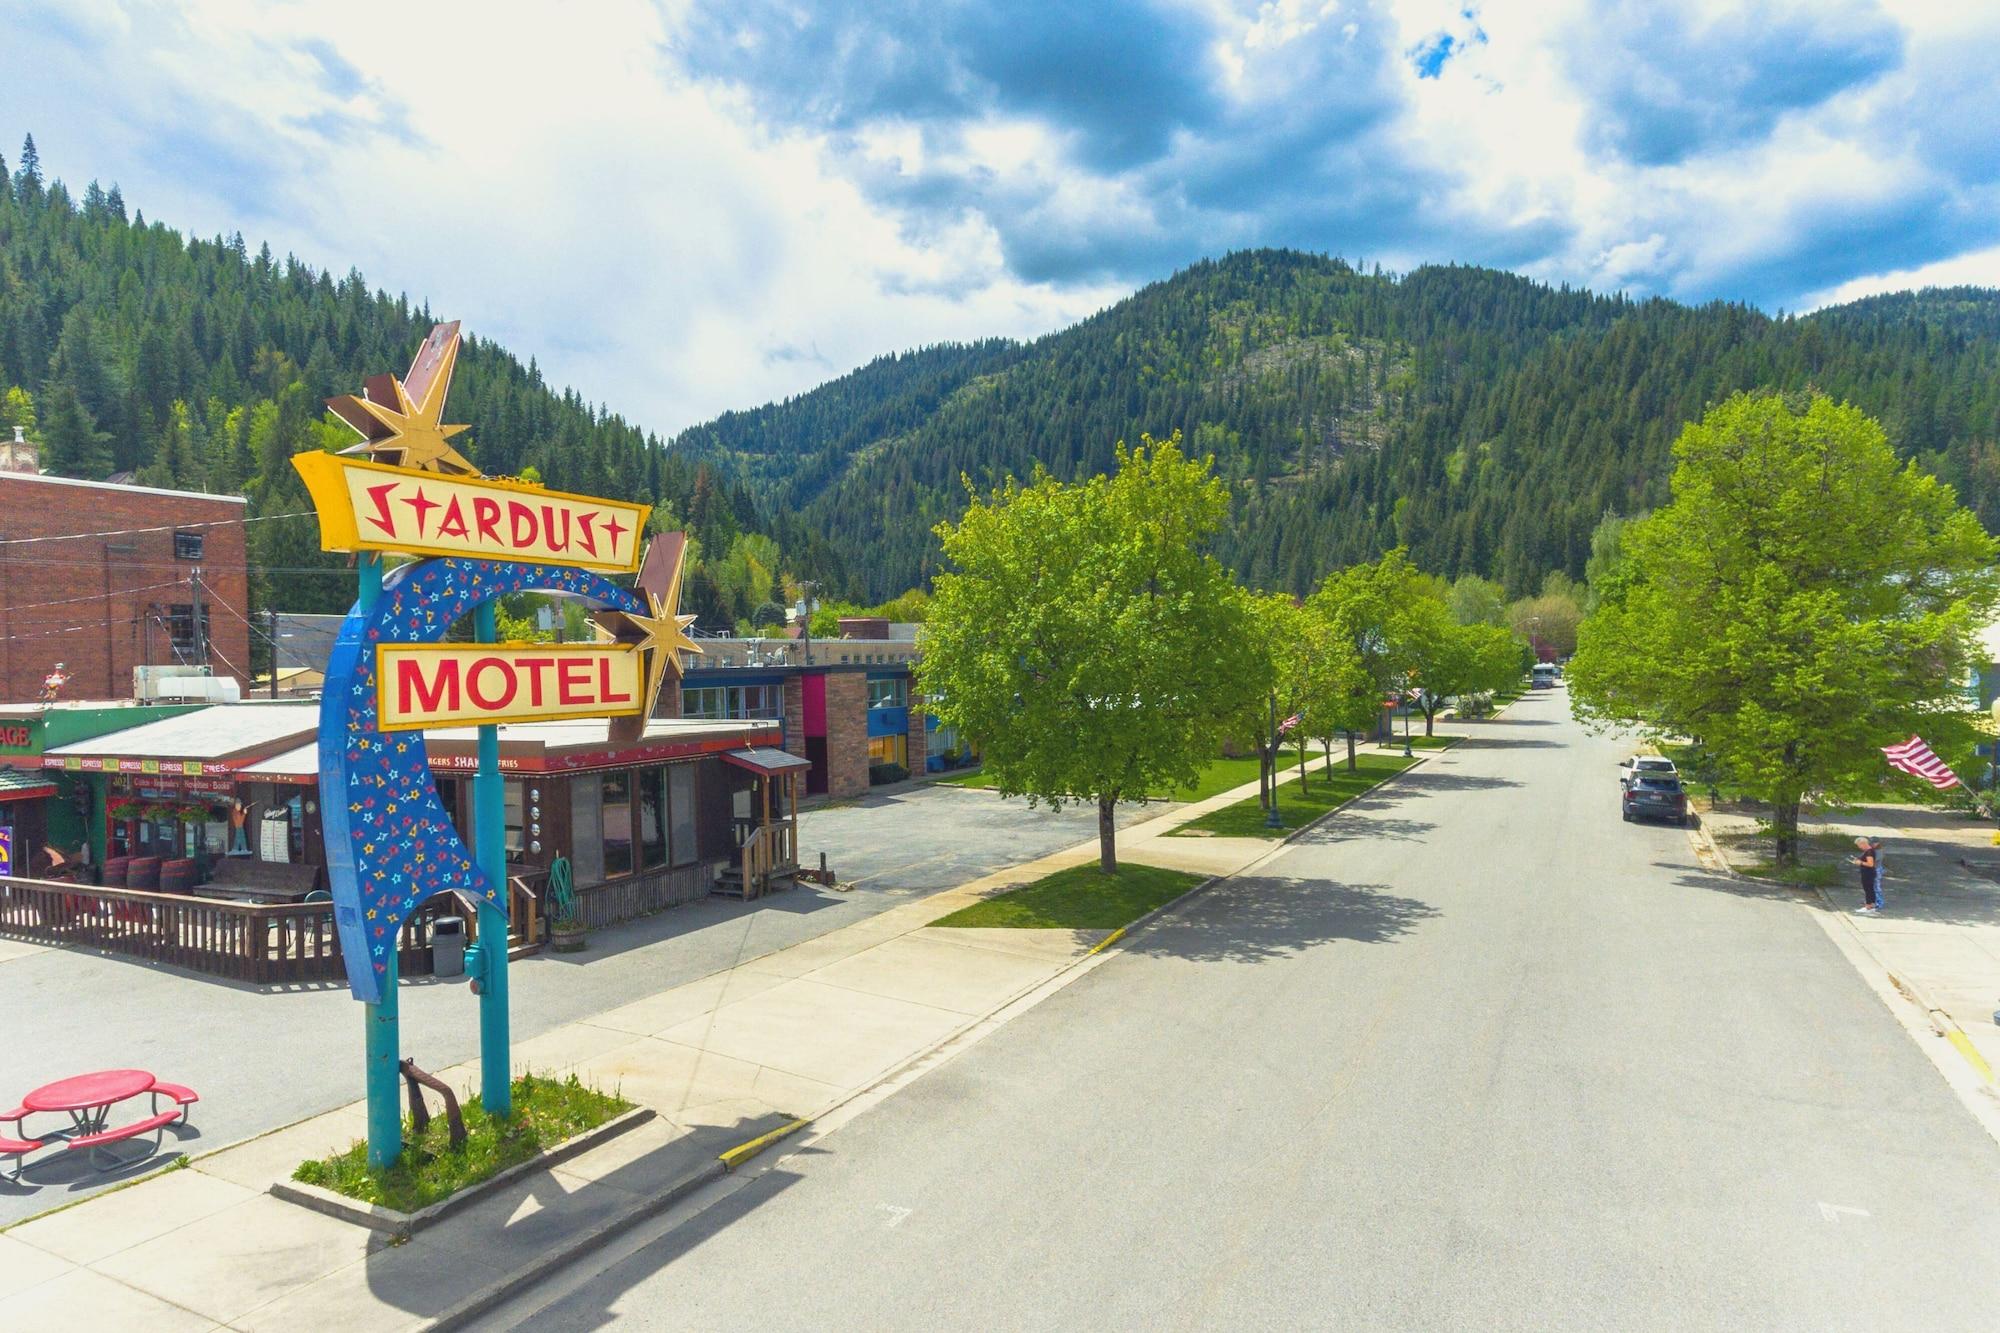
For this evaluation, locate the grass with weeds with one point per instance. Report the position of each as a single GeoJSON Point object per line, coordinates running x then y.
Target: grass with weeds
{"type": "Point", "coordinates": [546, 1111]}
{"type": "Point", "coordinates": [1079, 898]}
{"type": "Point", "coordinates": [1821, 877]}
{"type": "Point", "coordinates": [1245, 819]}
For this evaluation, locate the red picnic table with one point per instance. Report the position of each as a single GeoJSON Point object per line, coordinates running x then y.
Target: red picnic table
{"type": "Point", "coordinates": [87, 1099]}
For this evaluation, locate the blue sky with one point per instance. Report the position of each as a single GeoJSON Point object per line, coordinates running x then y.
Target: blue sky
{"type": "Point", "coordinates": [689, 206]}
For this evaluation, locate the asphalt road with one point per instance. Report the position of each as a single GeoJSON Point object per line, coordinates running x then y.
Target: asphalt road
{"type": "Point", "coordinates": [262, 1059]}
{"type": "Point", "coordinates": [1474, 1055]}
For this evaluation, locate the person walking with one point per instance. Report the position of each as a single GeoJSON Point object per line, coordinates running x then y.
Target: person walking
{"type": "Point", "coordinates": [1867, 863]}
{"type": "Point", "coordinates": [1881, 873]}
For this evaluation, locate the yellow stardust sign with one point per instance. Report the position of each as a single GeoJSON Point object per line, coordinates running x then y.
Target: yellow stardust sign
{"type": "Point", "coordinates": [366, 506]}
{"type": "Point", "coordinates": [433, 685]}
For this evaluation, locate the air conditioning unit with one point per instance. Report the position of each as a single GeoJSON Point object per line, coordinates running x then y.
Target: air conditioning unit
{"type": "Point", "coordinates": [181, 682]}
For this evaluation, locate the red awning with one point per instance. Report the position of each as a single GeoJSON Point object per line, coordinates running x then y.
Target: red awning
{"type": "Point", "coordinates": [18, 786]}
{"type": "Point", "coordinates": [764, 759]}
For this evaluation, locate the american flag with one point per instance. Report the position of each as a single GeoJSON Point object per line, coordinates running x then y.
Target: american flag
{"type": "Point", "coordinates": [1290, 722]}
{"type": "Point", "coordinates": [1918, 760]}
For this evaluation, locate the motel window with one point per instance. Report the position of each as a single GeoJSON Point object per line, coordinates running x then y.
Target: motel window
{"type": "Point", "coordinates": [889, 750]}
{"type": "Point", "coordinates": [653, 817]}
{"type": "Point", "coordinates": [586, 816]}
{"type": "Point", "coordinates": [733, 701]}
{"type": "Point", "coordinates": [616, 795]}
{"type": "Point", "coordinates": [892, 692]}
{"type": "Point", "coordinates": [680, 804]}
{"type": "Point", "coordinates": [187, 545]}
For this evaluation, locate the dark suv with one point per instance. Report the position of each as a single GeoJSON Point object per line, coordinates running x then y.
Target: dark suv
{"type": "Point", "coordinates": [1654, 796]}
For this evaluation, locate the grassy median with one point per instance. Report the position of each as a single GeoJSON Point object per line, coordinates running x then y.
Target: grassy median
{"type": "Point", "coordinates": [1297, 805]}
{"type": "Point", "coordinates": [1079, 898]}
{"type": "Point", "coordinates": [1218, 777]}
{"type": "Point", "coordinates": [546, 1111]}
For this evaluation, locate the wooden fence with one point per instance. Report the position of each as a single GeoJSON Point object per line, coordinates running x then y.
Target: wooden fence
{"type": "Point", "coordinates": [267, 943]}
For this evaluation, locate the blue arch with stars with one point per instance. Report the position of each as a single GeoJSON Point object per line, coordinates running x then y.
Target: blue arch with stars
{"type": "Point", "coordinates": [389, 842]}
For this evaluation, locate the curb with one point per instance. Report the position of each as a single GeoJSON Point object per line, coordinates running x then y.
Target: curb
{"type": "Point", "coordinates": [1939, 1021]}
{"type": "Point", "coordinates": [400, 1226]}
{"type": "Point", "coordinates": [579, 1242]}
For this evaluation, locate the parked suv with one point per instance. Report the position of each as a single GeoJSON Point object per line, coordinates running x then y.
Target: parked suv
{"type": "Point", "coordinates": [1655, 796]}
{"type": "Point", "coordinates": [1653, 764]}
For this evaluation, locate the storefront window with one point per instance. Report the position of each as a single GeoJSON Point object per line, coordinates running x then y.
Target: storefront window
{"type": "Point", "coordinates": [586, 830]}
{"type": "Point", "coordinates": [653, 817]}
{"type": "Point", "coordinates": [617, 798]}
{"type": "Point", "coordinates": [680, 805]}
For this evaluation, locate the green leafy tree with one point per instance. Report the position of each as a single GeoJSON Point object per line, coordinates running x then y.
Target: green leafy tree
{"type": "Point", "coordinates": [1607, 558]}
{"type": "Point", "coordinates": [1803, 600]}
{"type": "Point", "coordinates": [1451, 660]}
{"type": "Point", "coordinates": [1548, 621]}
{"type": "Point", "coordinates": [1087, 640]}
{"type": "Point", "coordinates": [1478, 601]}
{"type": "Point", "coordinates": [1373, 609]}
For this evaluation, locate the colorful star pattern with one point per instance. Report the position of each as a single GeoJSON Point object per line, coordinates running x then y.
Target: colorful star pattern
{"type": "Point", "coordinates": [390, 843]}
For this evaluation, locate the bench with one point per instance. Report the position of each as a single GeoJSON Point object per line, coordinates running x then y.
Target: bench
{"type": "Point", "coordinates": [155, 1125]}
{"type": "Point", "coordinates": [13, 1147]}
{"type": "Point", "coordinates": [182, 1097]}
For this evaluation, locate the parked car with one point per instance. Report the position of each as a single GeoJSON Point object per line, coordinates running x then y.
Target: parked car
{"type": "Point", "coordinates": [1634, 765]}
{"type": "Point", "coordinates": [1651, 796]}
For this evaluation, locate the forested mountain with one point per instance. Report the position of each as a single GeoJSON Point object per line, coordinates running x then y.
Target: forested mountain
{"type": "Point", "coordinates": [1486, 421]}
{"type": "Point", "coordinates": [195, 364]}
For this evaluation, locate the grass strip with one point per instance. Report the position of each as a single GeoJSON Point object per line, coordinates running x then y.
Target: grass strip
{"type": "Point", "coordinates": [1297, 806]}
{"type": "Point", "coordinates": [546, 1111]}
{"type": "Point", "coordinates": [1079, 898]}
{"type": "Point", "coordinates": [1219, 776]}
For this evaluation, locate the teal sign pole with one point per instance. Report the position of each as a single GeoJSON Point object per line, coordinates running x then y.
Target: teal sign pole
{"type": "Point", "coordinates": [383, 1017]}
{"type": "Point", "coordinates": [489, 821]}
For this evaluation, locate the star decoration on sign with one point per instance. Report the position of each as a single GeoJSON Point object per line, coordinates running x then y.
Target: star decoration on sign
{"type": "Point", "coordinates": [663, 634]}
{"type": "Point", "coordinates": [400, 421]}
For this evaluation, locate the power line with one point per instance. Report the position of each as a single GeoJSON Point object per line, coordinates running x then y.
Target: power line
{"type": "Point", "coordinates": [159, 527]}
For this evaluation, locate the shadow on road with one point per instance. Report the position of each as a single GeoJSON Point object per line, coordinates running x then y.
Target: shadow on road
{"type": "Point", "coordinates": [1348, 830]}
{"type": "Point", "coordinates": [1425, 780]}
{"type": "Point", "coordinates": [1506, 743]}
{"type": "Point", "coordinates": [1273, 916]}
{"type": "Point", "coordinates": [1685, 878]}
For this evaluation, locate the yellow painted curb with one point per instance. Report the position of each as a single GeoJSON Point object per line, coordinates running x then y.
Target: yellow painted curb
{"type": "Point", "coordinates": [743, 1152]}
{"type": "Point", "coordinates": [1957, 1037]}
{"type": "Point", "coordinates": [1108, 941]}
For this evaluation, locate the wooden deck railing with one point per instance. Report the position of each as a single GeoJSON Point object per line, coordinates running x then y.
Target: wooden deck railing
{"type": "Point", "coordinates": [255, 942]}
{"type": "Point", "coordinates": [770, 849]}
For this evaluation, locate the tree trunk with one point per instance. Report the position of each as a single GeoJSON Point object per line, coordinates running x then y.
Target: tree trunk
{"type": "Point", "coordinates": [1430, 713]}
{"type": "Point", "coordinates": [1785, 821]}
{"type": "Point", "coordinates": [1107, 835]}
{"type": "Point", "coordinates": [1326, 748]}
{"type": "Point", "coordinates": [1302, 761]}
{"type": "Point", "coordinates": [1263, 777]}
{"type": "Point", "coordinates": [1352, 764]}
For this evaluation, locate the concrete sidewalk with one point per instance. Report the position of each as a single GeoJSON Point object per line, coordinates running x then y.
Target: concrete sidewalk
{"type": "Point", "coordinates": [722, 1061]}
{"type": "Point", "coordinates": [1938, 935]}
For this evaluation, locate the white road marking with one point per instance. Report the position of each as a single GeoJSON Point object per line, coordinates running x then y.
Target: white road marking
{"type": "Point", "coordinates": [896, 1214]}
{"type": "Point", "coordinates": [1832, 1211]}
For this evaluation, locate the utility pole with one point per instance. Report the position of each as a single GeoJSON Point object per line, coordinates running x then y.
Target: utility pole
{"type": "Point", "coordinates": [271, 618]}
{"type": "Point", "coordinates": [195, 616]}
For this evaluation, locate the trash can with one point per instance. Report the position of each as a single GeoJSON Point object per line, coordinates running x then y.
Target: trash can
{"type": "Point", "coordinates": [448, 946]}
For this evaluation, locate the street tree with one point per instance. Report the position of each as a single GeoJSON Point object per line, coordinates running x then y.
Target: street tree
{"type": "Point", "coordinates": [1803, 600]}
{"type": "Point", "coordinates": [1087, 640]}
{"type": "Point", "coordinates": [1449, 659]}
{"type": "Point", "coordinates": [1370, 608]}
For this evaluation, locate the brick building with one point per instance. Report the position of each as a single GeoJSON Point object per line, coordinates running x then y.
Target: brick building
{"type": "Point", "coordinates": [103, 578]}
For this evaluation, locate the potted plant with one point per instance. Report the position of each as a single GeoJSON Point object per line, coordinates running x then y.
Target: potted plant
{"type": "Point", "coordinates": [566, 929]}
{"type": "Point", "coordinates": [124, 808]}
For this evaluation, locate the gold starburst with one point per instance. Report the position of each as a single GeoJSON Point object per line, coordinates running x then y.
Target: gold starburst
{"type": "Point", "coordinates": [663, 634]}
{"type": "Point", "coordinates": [403, 431]}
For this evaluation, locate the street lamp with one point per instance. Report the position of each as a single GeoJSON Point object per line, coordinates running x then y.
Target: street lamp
{"type": "Point", "coordinates": [1271, 819]}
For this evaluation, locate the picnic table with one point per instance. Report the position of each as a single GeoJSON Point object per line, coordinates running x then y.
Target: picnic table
{"type": "Point", "coordinates": [88, 1098]}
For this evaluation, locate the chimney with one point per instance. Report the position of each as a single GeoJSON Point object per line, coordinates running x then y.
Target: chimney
{"type": "Point", "coordinates": [18, 455]}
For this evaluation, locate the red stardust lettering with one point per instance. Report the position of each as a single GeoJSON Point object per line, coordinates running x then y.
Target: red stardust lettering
{"type": "Point", "coordinates": [486, 517]}
{"type": "Point", "coordinates": [604, 684]}
{"type": "Point", "coordinates": [572, 679]}
{"type": "Point", "coordinates": [583, 534]}
{"type": "Point", "coordinates": [518, 514]}
{"type": "Point", "coordinates": [533, 666]}
{"type": "Point", "coordinates": [381, 517]}
{"type": "Point", "coordinates": [483, 701]}
{"type": "Point", "coordinates": [549, 515]}
{"type": "Point", "coordinates": [412, 695]}
{"type": "Point", "coordinates": [453, 522]}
